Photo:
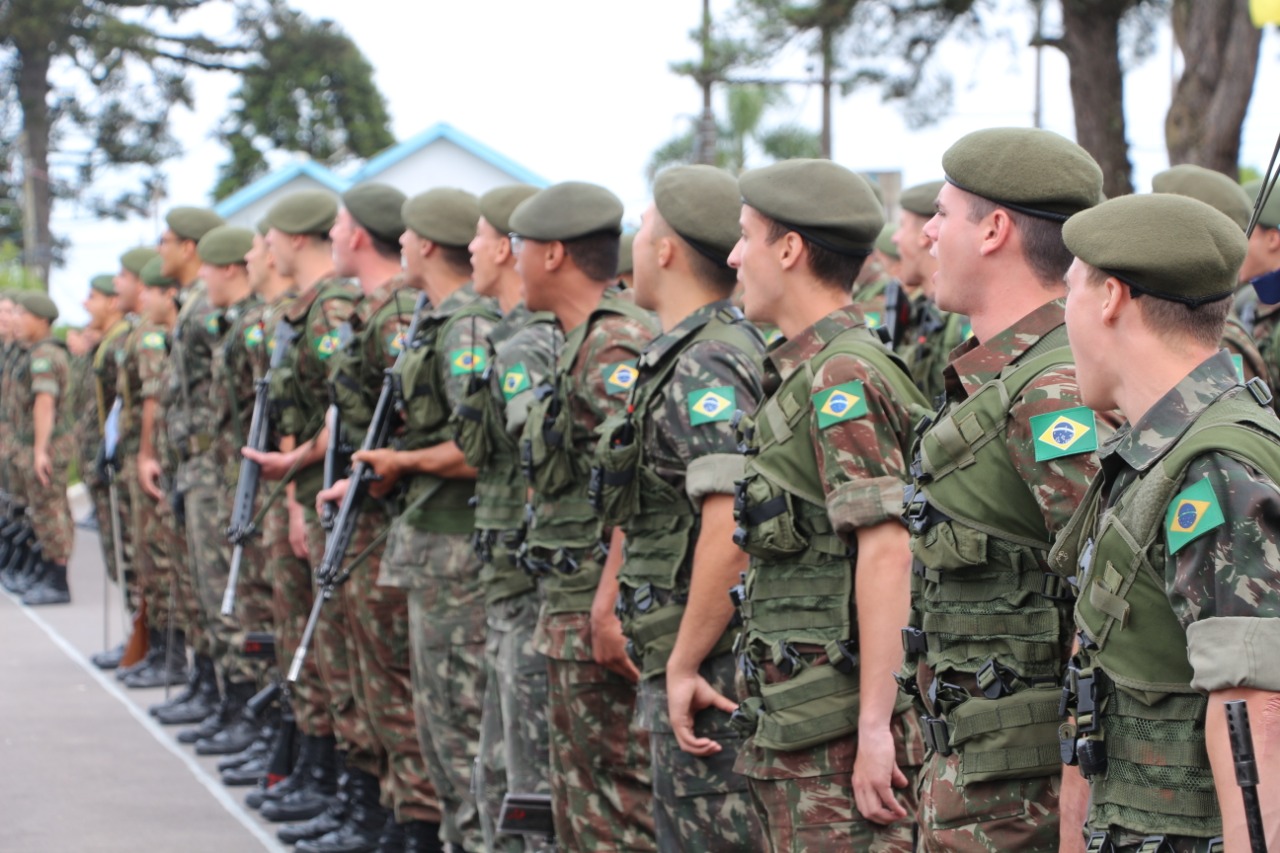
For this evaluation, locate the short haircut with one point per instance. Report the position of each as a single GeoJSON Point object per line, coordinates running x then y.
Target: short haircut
{"type": "Point", "coordinates": [385, 248]}
{"type": "Point", "coordinates": [457, 257]}
{"type": "Point", "coordinates": [831, 268]}
{"type": "Point", "coordinates": [1042, 245]}
{"type": "Point", "coordinates": [595, 254]}
{"type": "Point", "coordinates": [1203, 323]}
{"type": "Point", "coordinates": [721, 279]}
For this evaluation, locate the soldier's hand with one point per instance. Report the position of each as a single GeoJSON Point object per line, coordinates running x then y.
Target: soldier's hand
{"type": "Point", "coordinates": [334, 493]}
{"type": "Point", "coordinates": [385, 463]}
{"type": "Point", "coordinates": [149, 474]}
{"type": "Point", "coordinates": [43, 468]}
{"type": "Point", "coordinates": [687, 694]}
{"type": "Point", "coordinates": [609, 646]}
{"type": "Point", "coordinates": [297, 530]}
{"type": "Point", "coordinates": [876, 774]}
{"type": "Point", "coordinates": [271, 465]}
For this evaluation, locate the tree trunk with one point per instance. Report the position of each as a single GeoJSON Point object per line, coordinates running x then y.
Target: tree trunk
{"type": "Point", "coordinates": [1220, 52]}
{"type": "Point", "coordinates": [33, 94]}
{"type": "Point", "coordinates": [1091, 41]}
{"type": "Point", "coordinates": [827, 40]}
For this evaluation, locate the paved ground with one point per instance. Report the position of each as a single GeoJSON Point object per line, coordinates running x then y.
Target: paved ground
{"type": "Point", "coordinates": [82, 766]}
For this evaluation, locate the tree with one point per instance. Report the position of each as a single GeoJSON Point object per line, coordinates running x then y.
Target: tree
{"type": "Point", "coordinates": [122, 72]}
{"type": "Point", "coordinates": [308, 89]}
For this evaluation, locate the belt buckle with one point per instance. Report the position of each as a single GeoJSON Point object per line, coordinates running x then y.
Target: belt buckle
{"type": "Point", "coordinates": [937, 734]}
{"type": "Point", "coordinates": [1100, 842]}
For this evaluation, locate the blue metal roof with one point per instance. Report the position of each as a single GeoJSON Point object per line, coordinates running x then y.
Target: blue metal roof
{"type": "Point", "coordinates": [272, 181]}
{"type": "Point", "coordinates": [443, 130]}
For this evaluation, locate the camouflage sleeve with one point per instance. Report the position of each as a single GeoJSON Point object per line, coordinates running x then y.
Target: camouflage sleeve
{"type": "Point", "coordinates": [387, 341]}
{"type": "Point", "coordinates": [1224, 581]}
{"type": "Point", "coordinates": [711, 381]}
{"type": "Point", "coordinates": [50, 371]}
{"type": "Point", "coordinates": [153, 364]}
{"type": "Point", "coordinates": [1056, 484]}
{"type": "Point", "coordinates": [324, 330]}
{"type": "Point", "coordinates": [606, 367]}
{"type": "Point", "coordinates": [860, 435]}
{"type": "Point", "coordinates": [523, 363]}
{"type": "Point", "coordinates": [465, 353]}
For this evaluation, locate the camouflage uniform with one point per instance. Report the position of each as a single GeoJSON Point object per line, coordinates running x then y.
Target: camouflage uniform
{"type": "Point", "coordinates": [10, 354]}
{"type": "Point", "coordinates": [513, 730]}
{"type": "Point", "coordinates": [680, 412]}
{"type": "Point", "coordinates": [1245, 354]}
{"type": "Point", "coordinates": [929, 344]}
{"type": "Point", "coordinates": [995, 636]}
{"type": "Point", "coordinates": [429, 553]}
{"type": "Point", "coordinates": [1263, 322]}
{"type": "Point", "coordinates": [856, 437]}
{"type": "Point", "coordinates": [47, 371]}
{"type": "Point", "coordinates": [98, 393]}
{"type": "Point", "coordinates": [1208, 447]}
{"type": "Point", "coordinates": [870, 299]}
{"type": "Point", "coordinates": [600, 781]}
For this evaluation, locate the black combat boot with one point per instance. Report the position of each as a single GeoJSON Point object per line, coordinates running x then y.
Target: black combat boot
{"type": "Point", "coordinates": [21, 545]}
{"type": "Point", "coordinates": [421, 836]}
{"type": "Point", "coordinates": [109, 658]}
{"type": "Point", "coordinates": [260, 748]}
{"type": "Point", "coordinates": [162, 666]}
{"type": "Point", "coordinates": [197, 702]}
{"type": "Point", "coordinates": [317, 788]}
{"type": "Point", "coordinates": [239, 728]}
{"type": "Point", "coordinates": [50, 589]}
{"type": "Point", "coordinates": [298, 773]}
{"type": "Point", "coordinates": [330, 819]}
{"type": "Point", "coordinates": [32, 570]}
{"type": "Point", "coordinates": [363, 826]}
{"type": "Point", "coordinates": [392, 838]}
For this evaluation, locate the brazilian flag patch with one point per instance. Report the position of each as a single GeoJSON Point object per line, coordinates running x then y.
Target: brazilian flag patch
{"type": "Point", "coordinates": [873, 319]}
{"type": "Point", "coordinates": [1194, 511]}
{"type": "Point", "coordinates": [41, 365]}
{"type": "Point", "coordinates": [966, 332]}
{"type": "Point", "coordinates": [253, 337]}
{"type": "Point", "coordinates": [395, 343]}
{"type": "Point", "coordinates": [515, 380]}
{"type": "Point", "coordinates": [1064, 433]}
{"type": "Point", "coordinates": [1238, 361]}
{"type": "Point", "coordinates": [153, 340]}
{"type": "Point", "coordinates": [844, 402]}
{"type": "Point", "coordinates": [327, 345]}
{"type": "Point", "coordinates": [211, 324]}
{"type": "Point", "coordinates": [711, 405]}
{"type": "Point", "coordinates": [462, 361]}
{"type": "Point", "coordinates": [773, 337]}
{"type": "Point", "coordinates": [619, 377]}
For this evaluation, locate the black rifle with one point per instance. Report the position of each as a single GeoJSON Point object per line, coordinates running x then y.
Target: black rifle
{"type": "Point", "coordinates": [242, 520]}
{"type": "Point", "coordinates": [328, 574]}
{"type": "Point", "coordinates": [897, 313]}
{"type": "Point", "coordinates": [1246, 771]}
{"type": "Point", "coordinates": [332, 464]}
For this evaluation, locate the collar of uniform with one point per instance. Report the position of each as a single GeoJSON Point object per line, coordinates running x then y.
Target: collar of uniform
{"type": "Point", "coordinates": [793, 352]}
{"type": "Point", "coordinates": [663, 343]}
{"type": "Point", "coordinates": [456, 301]}
{"type": "Point", "coordinates": [1144, 442]}
{"type": "Point", "coordinates": [975, 363]}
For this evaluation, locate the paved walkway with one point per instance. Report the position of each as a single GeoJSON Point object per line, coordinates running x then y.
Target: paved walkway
{"type": "Point", "coordinates": [82, 766]}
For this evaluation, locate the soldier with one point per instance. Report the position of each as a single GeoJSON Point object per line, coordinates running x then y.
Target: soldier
{"type": "Point", "coordinates": [567, 253]}
{"type": "Point", "coordinates": [832, 751]}
{"type": "Point", "coordinates": [42, 404]}
{"type": "Point", "coordinates": [19, 534]}
{"type": "Point", "coordinates": [665, 474]}
{"type": "Point", "coordinates": [490, 419]}
{"type": "Point", "coordinates": [1173, 545]}
{"type": "Point", "coordinates": [997, 473]}
{"type": "Point", "coordinates": [1262, 321]}
{"type": "Point", "coordinates": [626, 266]}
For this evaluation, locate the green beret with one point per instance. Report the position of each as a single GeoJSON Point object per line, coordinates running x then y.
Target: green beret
{"type": "Point", "coordinates": [884, 243]}
{"type": "Point", "coordinates": [192, 223]}
{"type": "Point", "coordinates": [305, 212]}
{"type": "Point", "coordinates": [1271, 211]}
{"type": "Point", "coordinates": [825, 203]}
{"type": "Point", "coordinates": [152, 276]}
{"type": "Point", "coordinates": [38, 303]}
{"type": "Point", "coordinates": [702, 205]}
{"type": "Point", "coordinates": [920, 198]}
{"type": "Point", "coordinates": [1213, 188]}
{"type": "Point", "coordinates": [567, 211]}
{"type": "Point", "coordinates": [444, 215]}
{"type": "Point", "coordinates": [263, 226]}
{"type": "Point", "coordinates": [135, 259]}
{"type": "Point", "coordinates": [497, 205]}
{"type": "Point", "coordinates": [1032, 171]}
{"type": "Point", "coordinates": [625, 243]}
{"type": "Point", "coordinates": [376, 208]}
{"type": "Point", "coordinates": [104, 284]}
{"type": "Point", "coordinates": [1170, 246]}
{"type": "Point", "coordinates": [225, 245]}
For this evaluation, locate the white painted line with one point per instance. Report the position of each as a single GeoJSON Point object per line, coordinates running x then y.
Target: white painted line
{"type": "Point", "coordinates": [214, 787]}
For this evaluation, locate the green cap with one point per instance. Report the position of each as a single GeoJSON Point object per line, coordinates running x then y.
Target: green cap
{"type": "Point", "coordinates": [702, 205]}
{"type": "Point", "coordinates": [305, 212]}
{"type": "Point", "coordinates": [1213, 188]}
{"type": "Point", "coordinates": [1031, 171]}
{"type": "Point", "coordinates": [225, 245]}
{"type": "Point", "coordinates": [1271, 211]}
{"type": "Point", "coordinates": [135, 259]}
{"type": "Point", "coordinates": [152, 276]}
{"type": "Point", "coordinates": [497, 205]}
{"type": "Point", "coordinates": [625, 244]}
{"type": "Point", "coordinates": [920, 198]}
{"type": "Point", "coordinates": [263, 226]}
{"type": "Point", "coordinates": [1170, 246]}
{"type": "Point", "coordinates": [568, 211]}
{"type": "Point", "coordinates": [884, 243]}
{"type": "Point", "coordinates": [444, 215]}
{"type": "Point", "coordinates": [192, 223]}
{"type": "Point", "coordinates": [376, 208]}
{"type": "Point", "coordinates": [37, 302]}
{"type": "Point", "coordinates": [825, 203]}
{"type": "Point", "coordinates": [104, 284]}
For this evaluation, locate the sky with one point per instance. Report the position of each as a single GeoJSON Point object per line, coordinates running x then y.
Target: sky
{"type": "Point", "coordinates": [582, 90]}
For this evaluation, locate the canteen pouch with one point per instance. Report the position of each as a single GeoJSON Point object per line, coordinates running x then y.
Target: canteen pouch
{"type": "Point", "coordinates": [472, 421]}
{"type": "Point", "coordinates": [817, 705]}
{"type": "Point", "coordinates": [554, 472]}
{"type": "Point", "coordinates": [766, 519]}
{"type": "Point", "coordinates": [424, 409]}
{"type": "Point", "coordinates": [1014, 737]}
{"type": "Point", "coordinates": [615, 478]}
{"type": "Point", "coordinates": [950, 545]}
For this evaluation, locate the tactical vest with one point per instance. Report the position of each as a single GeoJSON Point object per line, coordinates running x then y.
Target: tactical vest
{"type": "Point", "coordinates": [984, 602]}
{"type": "Point", "coordinates": [799, 591]}
{"type": "Point", "coordinates": [356, 370]}
{"type": "Point", "coordinates": [298, 401]}
{"type": "Point", "coordinates": [101, 370]}
{"type": "Point", "coordinates": [1140, 723]}
{"type": "Point", "coordinates": [564, 539]}
{"type": "Point", "coordinates": [661, 522]}
{"type": "Point", "coordinates": [191, 377]}
{"type": "Point", "coordinates": [426, 420]}
{"type": "Point", "coordinates": [480, 430]}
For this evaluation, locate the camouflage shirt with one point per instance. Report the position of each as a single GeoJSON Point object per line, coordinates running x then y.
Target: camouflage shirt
{"type": "Point", "coordinates": [1266, 334]}
{"type": "Point", "coordinates": [233, 378]}
{"type": "Point", "coordinates": [1245, 354]}
{"type": "Point", "coordinates": [48, 372]}
{"type": "Point", "coordinates": [191, 404]}
{"type": "Point", "coordinates": [523, 358]}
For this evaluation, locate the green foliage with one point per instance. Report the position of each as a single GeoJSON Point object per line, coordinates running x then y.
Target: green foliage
{"type": "Point", "coordinates": [13, 275]}
{"type": "Point", "coordinates": [309, 89]}
{"type": "Point", "coordinates": [1249, 173]}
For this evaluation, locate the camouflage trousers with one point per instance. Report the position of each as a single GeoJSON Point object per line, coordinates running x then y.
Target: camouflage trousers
{"type": "Point", "coordinates": [513, 729]}
{"type": "Point", "coordinates": [182, 584]}
{"type": "Point", "coordinates": [292, 594]}
{"type": "Point", "coordinates": [153, 551]}
{"type": "Point", "coordinates": [47, 506]}
{"type": "Point", "coordinates": [699, 804]}
{"type": "Point", "coordinates": [253, 611]}
{"type": "Point", "coordinates": [805, 801]}
{"type": "Point", "coordinates": [100, 494]}
{"type": "Point", "coordinates": [602, 790]}
{"type": "Point", "coordinates": [201, 483]}
{"type": "Point", "coordinates": [1011, 814]}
